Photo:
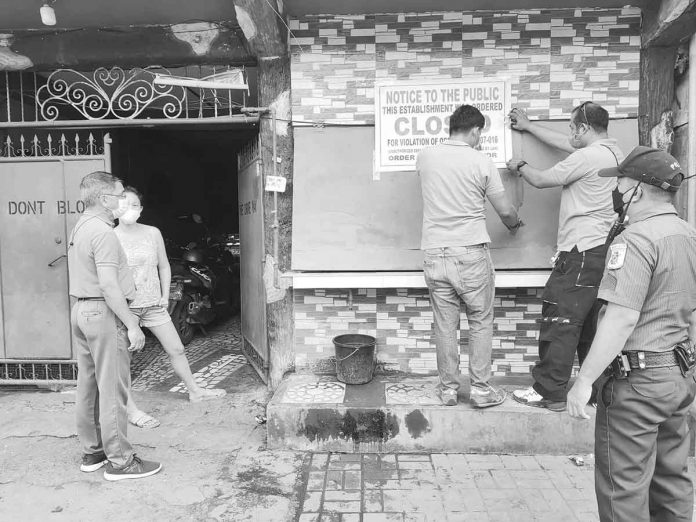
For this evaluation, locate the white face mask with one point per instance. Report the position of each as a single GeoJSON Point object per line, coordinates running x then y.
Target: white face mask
{"type": "Point", "coordinates": [120, 210]}
{"type": "Point", "coordinates": [130, 216]}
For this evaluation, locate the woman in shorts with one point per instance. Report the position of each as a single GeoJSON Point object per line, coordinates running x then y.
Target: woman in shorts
{"type": "Point", "coordinates": [147, 258]}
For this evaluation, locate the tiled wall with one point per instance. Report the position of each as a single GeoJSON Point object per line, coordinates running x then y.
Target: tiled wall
{"type": "Point", "coordinates": [401, 321]}
{"type": "Point", "coordinates": [554, 58]}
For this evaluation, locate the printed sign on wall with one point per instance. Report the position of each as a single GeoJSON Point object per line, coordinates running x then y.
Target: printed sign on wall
{"type": "Point", "coordinates": [410, 116]}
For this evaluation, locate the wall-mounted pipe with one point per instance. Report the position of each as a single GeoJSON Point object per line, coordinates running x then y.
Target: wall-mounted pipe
{"type": "Point", "coordinates": [691, 158]}
{"type": "Point", "coordinates": [275, 224]}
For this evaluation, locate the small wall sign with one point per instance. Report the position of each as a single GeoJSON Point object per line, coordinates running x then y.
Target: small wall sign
{"type": "Point", "coordinates": [275, 183]}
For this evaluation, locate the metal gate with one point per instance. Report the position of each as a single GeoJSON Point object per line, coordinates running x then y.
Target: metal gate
{"type": "Point", "coordinates": [251, 235]}
{"type": "Point", "coordinates": [39, 203]}
{"type": "Point", "coordinates": [35, 304]}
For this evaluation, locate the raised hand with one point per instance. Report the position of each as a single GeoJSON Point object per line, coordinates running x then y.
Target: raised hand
{"type": "Point", "coordinates": [518, 119]}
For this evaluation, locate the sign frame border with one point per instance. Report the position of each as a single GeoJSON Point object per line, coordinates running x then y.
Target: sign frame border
{"type": "Point", "coordinates": [440, 81]}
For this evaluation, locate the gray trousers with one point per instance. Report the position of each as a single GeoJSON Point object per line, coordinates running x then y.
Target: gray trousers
{"type": "Point", "coordinates": [642, 445]}
{"type": "Point", "coordinates": [103, 363]}
{"type": "Point", "coordinates": [459, 276]}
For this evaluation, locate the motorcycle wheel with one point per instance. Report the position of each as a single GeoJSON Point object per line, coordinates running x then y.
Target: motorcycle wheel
{"type": "Point", "coordinates": [183, 328]}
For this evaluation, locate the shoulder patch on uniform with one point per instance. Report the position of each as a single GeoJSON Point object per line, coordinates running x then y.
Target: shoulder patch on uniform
{"type": "Point", "coordinates": [617, 255]}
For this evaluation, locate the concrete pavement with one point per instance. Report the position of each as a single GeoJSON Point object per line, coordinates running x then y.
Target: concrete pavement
{"type": "Point", "coordinates": [215, 466]}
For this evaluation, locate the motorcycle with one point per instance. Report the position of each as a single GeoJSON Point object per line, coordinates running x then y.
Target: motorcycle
{"type": "Point", "coordinates": [203, 288]}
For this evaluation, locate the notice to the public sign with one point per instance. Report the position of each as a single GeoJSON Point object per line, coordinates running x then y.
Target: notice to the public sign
{"type": "Point", "coordinates": [410, 116]}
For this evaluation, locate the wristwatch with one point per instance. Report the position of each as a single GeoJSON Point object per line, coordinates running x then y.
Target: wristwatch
{"type": "Point", "coordinates": [520, 164]}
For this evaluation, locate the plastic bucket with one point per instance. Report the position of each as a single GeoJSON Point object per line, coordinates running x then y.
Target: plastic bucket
{"type": "Point", "coordinates": [355, 358]}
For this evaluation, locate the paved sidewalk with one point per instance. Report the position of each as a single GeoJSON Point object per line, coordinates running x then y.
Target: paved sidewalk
{"type": "Point", "coordinates": [448, 487]}
{"type": "Point", "coordinates": [215, 463]}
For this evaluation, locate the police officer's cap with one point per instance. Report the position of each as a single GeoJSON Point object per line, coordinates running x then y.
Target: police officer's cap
{"type": "Point", "coordinates": [651, 166]}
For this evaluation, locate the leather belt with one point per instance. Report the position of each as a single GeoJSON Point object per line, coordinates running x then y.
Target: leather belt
{"type": "Point", "coordinates": [90, 299]}
{"type": "Point", "coordinates": [642, 360]}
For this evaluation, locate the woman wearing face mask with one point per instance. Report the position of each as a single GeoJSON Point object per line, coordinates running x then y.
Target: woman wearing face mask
{"type": "Point", "coordinates": [147, 258]}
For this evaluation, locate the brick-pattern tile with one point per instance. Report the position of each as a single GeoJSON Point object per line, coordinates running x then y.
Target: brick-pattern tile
{"type": "Point", "coordinates": [401, 320]}
{"type": "Point", "coordinates": [554, 58]}
{"type": "Point", "coordinates": [449, 487]}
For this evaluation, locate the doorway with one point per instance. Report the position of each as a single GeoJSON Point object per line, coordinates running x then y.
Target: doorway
{"type": "Point", "coordinates": [196, 183]}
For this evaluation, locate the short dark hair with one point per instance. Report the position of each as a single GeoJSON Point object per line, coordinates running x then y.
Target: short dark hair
{"type": "Point", "coordinates": [134, 191]}
{"type": "Point", "coordinates": [591, 114]}
{"type": "Point", "coordinates": [465, 118]}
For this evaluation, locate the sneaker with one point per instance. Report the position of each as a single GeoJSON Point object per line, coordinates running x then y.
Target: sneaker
{"type": "Point", "coordinates": [93, 461]}
{"type": "Point", "coordinates": [526, 395]}
{"type": "Point", "coordinates": [448, 396]}
{"type": "Point", "coordinates": [530, 397]}
{"type": "Point", "coordinates": [485, 397]}
{"type": "Point", "coordinates": [136, 469]}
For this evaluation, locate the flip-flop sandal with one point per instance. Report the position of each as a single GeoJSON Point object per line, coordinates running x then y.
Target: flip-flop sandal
{"type": "Point", "coordinates": [145, 421]}
{"type": "Point", "coordinates": [208, 395]}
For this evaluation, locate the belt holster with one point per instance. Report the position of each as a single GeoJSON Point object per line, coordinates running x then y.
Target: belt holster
{"type": "Point", "coordinates": [685, 353]}
{"type": "Point", "coordinates": [619, 367]}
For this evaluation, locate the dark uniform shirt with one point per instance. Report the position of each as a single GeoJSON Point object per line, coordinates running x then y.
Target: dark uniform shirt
{"type": "Point", "coordinates": [93, 243]}
{"type": "Point", "coordinates": [651, 268]}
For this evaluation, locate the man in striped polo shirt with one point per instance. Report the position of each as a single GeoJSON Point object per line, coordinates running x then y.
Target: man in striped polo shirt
{"type": "Point", "coordinates": [643, 398]}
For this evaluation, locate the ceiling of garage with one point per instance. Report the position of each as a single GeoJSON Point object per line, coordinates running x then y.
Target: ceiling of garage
{"type": "Point", "coordinates": [24, 14]}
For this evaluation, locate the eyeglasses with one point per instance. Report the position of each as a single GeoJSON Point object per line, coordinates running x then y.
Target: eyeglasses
{"type": "Point", "coordinates": [135, 207]}
{"type": "Point", "coordinates": [584, 112]}
{"type": "Point", "coordinates": [122, 195]}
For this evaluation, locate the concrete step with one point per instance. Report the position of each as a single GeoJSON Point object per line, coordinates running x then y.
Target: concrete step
{"type": "Point", "coordinates": [394, 415]}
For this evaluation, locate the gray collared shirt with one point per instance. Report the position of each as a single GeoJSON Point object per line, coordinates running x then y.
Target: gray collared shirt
{"type": "Point", "coordinates": [651, 268]}
{"type": "Point", "coordinates": [586, 212]}
{"type": "Point", "coordinates": [455, 181]}
{"type": "Point", "coordinates": [93, 243]}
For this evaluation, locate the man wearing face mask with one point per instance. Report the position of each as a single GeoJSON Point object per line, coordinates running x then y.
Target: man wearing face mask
{"type": "Point", "coordinates": [642, 357]}
{"type": "Point", "coordinates": [585, 218]}
{"type": "Point", "coordinates": [104, 331]}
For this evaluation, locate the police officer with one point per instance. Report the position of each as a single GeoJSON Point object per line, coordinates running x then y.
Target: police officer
{"type": "Point", "coordinates": [104, 332]}
{"type": "Point", "coordinates": [645, 336]}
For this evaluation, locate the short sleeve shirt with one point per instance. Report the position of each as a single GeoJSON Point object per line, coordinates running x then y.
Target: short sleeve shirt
{"type": "Point", "coordinates": [93, 243]}
{"type": "Point", "coordinates": [586, 212]}
{"type": "Point", "coordinates": [651, 268]}
{"type": "Point", "coordinates": [455, 180]}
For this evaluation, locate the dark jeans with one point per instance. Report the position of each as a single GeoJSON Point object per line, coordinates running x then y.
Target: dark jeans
{"type": "Point", "coordinates": [642, 445]}
{"type": "Point", "coordinates": [569, 319]}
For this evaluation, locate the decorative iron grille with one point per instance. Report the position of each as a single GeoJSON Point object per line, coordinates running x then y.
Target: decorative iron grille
{"type": "Point", "coordinates": [108, 93]}
{"type": "Point", "coordinates": [38, 372]}
{"type": "Point", "coordinates": [51, 144]}
{"type": "Point", "coordinates": [113, 94]}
